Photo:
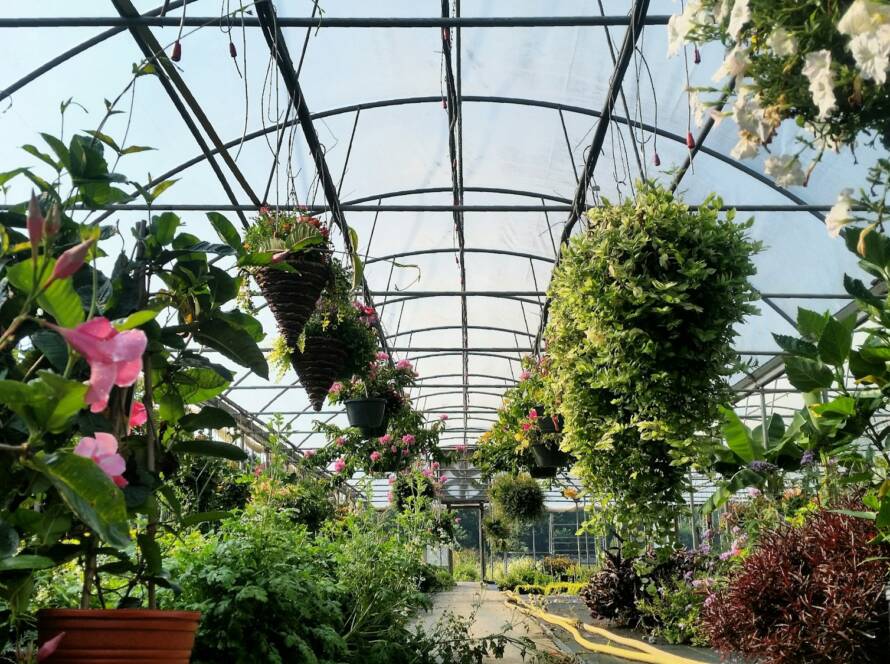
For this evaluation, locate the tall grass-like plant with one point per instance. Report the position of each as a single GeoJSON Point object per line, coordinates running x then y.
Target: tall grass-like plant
{"type": "Point", "coordinates": [640, 334]}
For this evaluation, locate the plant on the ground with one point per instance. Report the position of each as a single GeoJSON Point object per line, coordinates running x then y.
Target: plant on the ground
{"type": "Point", "coordinates": [813, 593]}
{"type": "Point", "coordinates": [551, 588]}
{"type": "Point", "coordinates": [519, 498]}
{"type": "Point", "coordinates": [521, 571]}
{"type": "Point", "coordinates": [822, 64]}
{"type": "Point", "coordinates": [672, 610]}
{"type": "Point", "coordinates": [465, 565]}
{"type": "Point", "coordinates": [640, 334]}
{"type": "Point", "coordinates": [558, 566]}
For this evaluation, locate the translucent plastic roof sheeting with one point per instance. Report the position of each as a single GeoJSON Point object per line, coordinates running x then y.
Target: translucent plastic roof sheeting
{"type": "Point", "coordinates": [511, 142]}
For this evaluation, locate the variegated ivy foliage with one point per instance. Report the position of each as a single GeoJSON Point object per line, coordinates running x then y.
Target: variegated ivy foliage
{"type": "Point", "coordinates": [644, 304]}
{"type": "Point", "coordinates": [841, 435]}
{"type": "Point", "coordinates": [78, 344]}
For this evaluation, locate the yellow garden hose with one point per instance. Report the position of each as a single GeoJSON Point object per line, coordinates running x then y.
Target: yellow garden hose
{"type": "Point", "coordinates": [643, 652]}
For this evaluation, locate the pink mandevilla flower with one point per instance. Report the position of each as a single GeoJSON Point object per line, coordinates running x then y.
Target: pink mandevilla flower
{"type": "Point", "coordinates": [385, 439]}
{"type": "Point", "coordinates": [404, 365]}
{"type": "Point", "coordinates": [525, 375]}
{"type": "Point", "coordinates": [340, 442]}
{"type": "Point", "coordinates": [383, 357]}
{"type": "Point", "coordinates": [115, 358]}
{"type": "Point", "coordinates": [393, 449]}
{"type": "Point", "coordinates": [533, 413]}
{"type": "Point", "coordinates": [375, 455]}
{"type": "Point", "coordinates": [103, 451]}
{"type": "Point", "coordinates": [71, 260]}
{"type": "Point", "coordinates": [339, 465]}
{"type": "Point", "coordinates": [138, 414]}
{"type": "Point", "coordinates": [308, 454]}
{"type": "Point", "coordinates": [335, 388]}
{"type": "Point", "coordinates": [35, 222]}
{"type": "Point", "coordinates": [408, 439]}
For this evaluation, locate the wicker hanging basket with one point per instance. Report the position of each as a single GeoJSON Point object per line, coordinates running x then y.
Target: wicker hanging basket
{"type": "Point", "coordinates": [292, 295]}
{"type": "Point", "coordinates": [324, 360]}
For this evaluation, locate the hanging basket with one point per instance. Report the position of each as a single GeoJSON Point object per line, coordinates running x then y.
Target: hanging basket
{"type": "Point", "coordinates": [112, 636]}
{"type": "Point", "coordinates": [542, 473]}
{"type": "Point", "coordinates": [549, 423]}
{"type": "Point", "coordinates": [292, 295]}
{"type": "Point", "coordinates": [323, 361]}
{"type": "Point", "coordinates": [548, 455]}
{"type": "Point", "coordinates": [379, 430]}
{"type": "Point", "coordinates": [365, 413]}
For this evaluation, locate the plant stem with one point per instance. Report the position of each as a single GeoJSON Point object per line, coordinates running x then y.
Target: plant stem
{"type": "Point", "coordinates": [89, 571]}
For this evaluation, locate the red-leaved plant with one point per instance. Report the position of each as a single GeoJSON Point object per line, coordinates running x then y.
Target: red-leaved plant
{"type": "Point", "coordinates": [813, 593]}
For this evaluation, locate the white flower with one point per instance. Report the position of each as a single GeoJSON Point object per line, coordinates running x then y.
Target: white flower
{"type": "Point", "coordinates": [863, 17]}
{"type": "Point", "coordinates": [678, 28]}
{"type": "Point", "coordinates": [746, 112]}
{"type": "Point", "coordinates": [734, 64]}
{"type": "Point", "coordinates": [817, 68]}
{"type": "Point", "coordinates": [747, 147]}
{"type": "Point", "coordinates": [782, 43]}
{"type": "Point", "coordinates": [698, 108]}
{"type": "Point", "coordinates": [871, 51]}
{"type": "Point", "coordinates": [839, 216]}
{"type": "Point", "coordinates": [740, 14]}
{"type": "Point", "coordinates": [785, 169]}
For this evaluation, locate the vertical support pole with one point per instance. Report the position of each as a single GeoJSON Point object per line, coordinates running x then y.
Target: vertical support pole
{"type": "Point", "coordinates": [551, 548]}
{"type": "Point", "coordinates": [577, 528]}
{"type": "Point", "coordinates": [481, 544]}
{"type": "Point", "coordinates": [534, 548]}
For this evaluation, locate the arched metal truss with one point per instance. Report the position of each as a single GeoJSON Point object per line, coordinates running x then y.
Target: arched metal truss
{"type": "Point", "coordinates": [272, 25]}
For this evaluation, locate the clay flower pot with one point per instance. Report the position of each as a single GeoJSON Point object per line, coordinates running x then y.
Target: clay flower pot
{"type": "Point", "coordinates": [118, 636]}
{"type": "Point", "coordinates": [365, 413]}
{"type": "Point", "coordinates": [292, 295]}
{"type": "Point", "coordinates": [322, 362]}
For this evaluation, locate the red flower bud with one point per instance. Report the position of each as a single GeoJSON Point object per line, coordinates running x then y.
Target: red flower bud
{"type": "Point", "coordinates": [72, 260]}
{"type": "Point", "coordinates": [177, 52]}
{"type": "Point", "coordinates": [280, 256]}
{"type": "Point", "coordinates": [690, 141]}
{"type": "Point", "coordinates": [232, 50]}
{"type": "Point", "coordinates": [35, 222]}
{"type": "Point", "coordinates": [656, 160]}
{"type": "Point", "coordinates": [696, 56]}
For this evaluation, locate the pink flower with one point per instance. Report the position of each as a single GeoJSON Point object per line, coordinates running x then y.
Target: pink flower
{"type": "Point", "coordinates": [443, 479]}
{"type": "Point", "coordinates": [460, 448]}
{"type": "Point", "coordinates": [533, 413]}
{"type": "Point", "coordinates": [72, 260]}
{"type": "Point", "coordinates": [443, 417]}
{"type": "Point", "coordinates": [406, 452]}
{"type": "Point", "coordinates": [525, 375]}
{"type": "Point", "coordinates": [408, 439]}
{"type": "Point", "coordinates": [35, 222]}
{"type": "Point", "coordinates": [308, 454]}
{"type": "Point", "coordinates": [375, 455]}
{"type": "Point", "coordinates": [404, 365]}
{"type": "Point", "coordinates": [434, 465]}
{"type": "Point", "coordinates": [383, 357]}
{"type": "Point", "coordinates": [103, 451]}
{"type": "Point", "coordinates": [115, 358]}
{"type": "Point", "coordinates": [393, 449]}
{"type": "Point", "coordinates": [427, 472]}
{"type": "Point", "coordinates": [138, 414]}
{"type": "Point", "coordinates": [335, 388]}
{"type": "Point", "coordinates": [339, 465]}
{"type": "Point", "coordinates": [385, 439]}
{"type": "Point", "coordinates": [391, 480]}
{"type": "Point", "coordinates": [280, 256]}
{"type": "Point", "coordinates": [340, 442]}
{"type": "Point", "coordinates": [369, 311]}
{"type": "Point", "coordinates": [49, 647]}
{"type": "Point", "coordinates": [457, 520]}
{"type": "Point", "coordinates": [753, 492]}
{"type": "Point", "coordinates": [526, 426]}
{"type": "Point", "coordinates": [259, 470]}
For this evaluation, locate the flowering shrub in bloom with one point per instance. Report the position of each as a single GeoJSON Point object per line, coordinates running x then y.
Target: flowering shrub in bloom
{"type": "Point", "coordinates": [381, 379]}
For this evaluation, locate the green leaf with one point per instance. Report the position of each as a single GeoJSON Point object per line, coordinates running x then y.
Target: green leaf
{"type": "Point", "coordinates": [105, 138]}
{"type": "Point", "coordinates": [64, 399]}
{"type": "Point", "coordinates": [775, 430]}
{"type": "Point", "coordinates": [53, 346]}
{"type": "Point", "coordinates": [357, 267]}
{"type": "Point", "coordinates": [59, 148]}
{"type": "Point", "coordinates": [234, 343]}
{"type": "Point", "coordinates": [203, 517]}
{"type": "Point", "coordinates": [796, 346]}
{"type": "Point", "coordinates": [844, 406]}
{"type": "Point", "coordinates": [738, 437]}
{"type": "Point", "coordinates": [209, 448]}
{"type": "Point", "coordinates": [42, 156]}
{"type": "Point", "coordinates": [226, 231]}
{"type": "Point", "coordinates": [163, 228]}
{"type": "Point", "coordinates": [807, 375]}
{"type": "Point", "coordinates": [210, 417]}
{"type": "Point", "coordinates": [869, 516]}
{"type": "Point", "coordinates": [883, 518]}
{"type": "Point", "coordinates": [835, 343]}
{"type": "Point", "coordinates": [861, 292]}
{"type": "Point", "coordinates": [862, 367]}
{"type": "Point", "coordinates": [151, 553]}
{"type": "Point", "coordinates": [726, 490]}
{"type": "Point", "coordinates": [60, 300]}
{"type": "Point", "coordinates": [88, 492]}
{"type": "Point", "coordinates": [197, 384]}
{"type": "Point", "coordinates": [133, 149]}
{"type": "Point", "coordinates": [170, 405]}
{"type": "Point", "coordinates": [25, 562]}
{"type": "Point", "coordinates": [244, 322]}
{"type": "Point", "coordinates": [136, 319]}
{"type": "Point", "coordinates": [9, 540]}
{"type": "Point", "coordinates": [9, 175]}
{"type": "Point", "coordinates": [161, 188]}
{"type": "Point", "coordinates": [810, 324]}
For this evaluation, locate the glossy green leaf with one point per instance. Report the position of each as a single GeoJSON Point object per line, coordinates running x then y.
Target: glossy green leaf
{"type": "Point", "coordinates": [25, 562]}
{"type": "Point", "coordinates": [163, 228]}
{"type": "Point", "coordinates": [136, 319]}
{"type": "Point", "coordinates": [226, 231]}
{"type": "Point", "coordinates": [203, 517]}
{"type": "Point", "coordinates": [59, 148]}
{"type": "Point", "coordinates": [53, 346]}
{"type": "Point", "coordinates": [807, 375]}
{"type": "Point", "coordinates": [151, 553]}
{"type": "Point", "coordinates": [725, 490]}
{"type": "Point", "coordinates": [835, 343]}
{"type": "Point", "coordinates": [63, 399]}
{"type": "Point", "coordinates": [88, 492]}
{"type": "Point", "coordinates": [796, 346]}
{"type": "Point", "coordinates": [209, 448]}
{"type": "Point", "coordinates": [161, 188]}
{"type": "Point", "coordinates": [60, 300]}
{"type": "Point", "coordinates": [810, 324]}
{"type": "Point", "coordinates": [234, 343]}
{"type": "Point", "coordinates": [9, 175]}
{"type": "Point", "coordinates": [738, 437]}
{"type": "Point", "coordinates": [210, 417]}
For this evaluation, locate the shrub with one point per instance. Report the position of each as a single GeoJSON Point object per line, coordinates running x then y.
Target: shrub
{"type": "Point", "coordinates": [519, 498]}
{"type": "Point", "coordinates": [435, 579]}
{"type": "Point", "coordinates": [466, 565]}
{"type": "Point", "coordinates": [812, 593]}
{"type": "Point", "coordinates": [612, 591]}
{"type": "Point", "coordinates": [672, 610]}
{"type": "Point", "coordinates": [522, 571]}
{"type": "Point", "coordinates": [558, 566]}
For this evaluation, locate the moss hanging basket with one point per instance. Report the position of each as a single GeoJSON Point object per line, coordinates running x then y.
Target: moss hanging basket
{"type": "Point", "coordinates": [323, 360]}
{"type": "Point", "coordinates": [292, 295]}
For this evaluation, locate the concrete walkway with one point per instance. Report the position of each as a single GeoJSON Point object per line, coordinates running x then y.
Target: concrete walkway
{"type": "Point", "coordinates": [491, 617]}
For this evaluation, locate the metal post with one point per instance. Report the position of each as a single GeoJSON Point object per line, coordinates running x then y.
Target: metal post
{"type": "Point", "coordinates": [577, 528]}
{"type": "Point", "coordinates": [692, 513]}
{"type": "Point", "coordinates": [481, 544]}
{"type": "Point", "coordinates": [550, 533]}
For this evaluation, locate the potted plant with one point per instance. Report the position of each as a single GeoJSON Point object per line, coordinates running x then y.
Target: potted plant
{"type": "Point", "coordinates": [375, 394]}
{"type": "Point", "coordinates": [301, 269]}
{"type": "Point", "coordinates": [517, 497]}
{"type": "Point", "coordinates": [84, 461]}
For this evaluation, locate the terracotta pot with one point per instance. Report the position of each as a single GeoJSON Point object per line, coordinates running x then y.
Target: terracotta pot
{"type": "Point", "coordinates": [292, 295]}
{"type": "Point", "coordinates": [118, 636]}
{"type": "Point", "coordinates": [323, 361]}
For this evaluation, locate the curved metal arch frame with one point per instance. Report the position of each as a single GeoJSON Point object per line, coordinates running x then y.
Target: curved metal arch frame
{"type": "Point", "coordinates": [467, 250]}
{"type": "Point", "coordinates": [426, 296]}
{"type": "Point", "coordinates": [472, 352]}
{"type": "Point", "coordinates": [486, 328]}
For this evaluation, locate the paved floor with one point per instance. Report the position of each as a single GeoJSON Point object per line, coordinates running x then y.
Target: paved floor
{"type": "Point", "coordinates": [491, 617]}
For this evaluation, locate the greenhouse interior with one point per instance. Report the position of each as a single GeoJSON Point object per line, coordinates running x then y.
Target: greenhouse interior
{"type": "Point", "coordinates": [444, 332]}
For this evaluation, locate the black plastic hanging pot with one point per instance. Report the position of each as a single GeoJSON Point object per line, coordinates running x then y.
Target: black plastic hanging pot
{"type": "Point", "coordinates": [365, 413]}
{"type": "Point", "coordinates": [542, 473]}
{"type": "Point", "coordinates": [379, 430]}
{"type": "Point", "coordinates": [548, 455]}
{"type": "Point", "coordinates": [549, 423]}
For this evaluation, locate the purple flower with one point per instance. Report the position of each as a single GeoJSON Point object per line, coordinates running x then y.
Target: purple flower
{"type": "Point", "coordinates": [763, 467]}
{"type": "Point", "coordinates": [808, 458]}
{"type": "Point", "coordinates": [754, 492]}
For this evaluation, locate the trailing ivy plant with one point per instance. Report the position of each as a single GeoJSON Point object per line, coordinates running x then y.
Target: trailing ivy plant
{"type": "Point", "coordinates": [644, 304]}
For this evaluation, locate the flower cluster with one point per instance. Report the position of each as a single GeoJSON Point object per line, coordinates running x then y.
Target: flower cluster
{"type": "Point", "coordinates": [281, 231]}
{"type": "Point", "coordinates": [366, 314]}
{"type": "Point", "coordinates": [382, 379]}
